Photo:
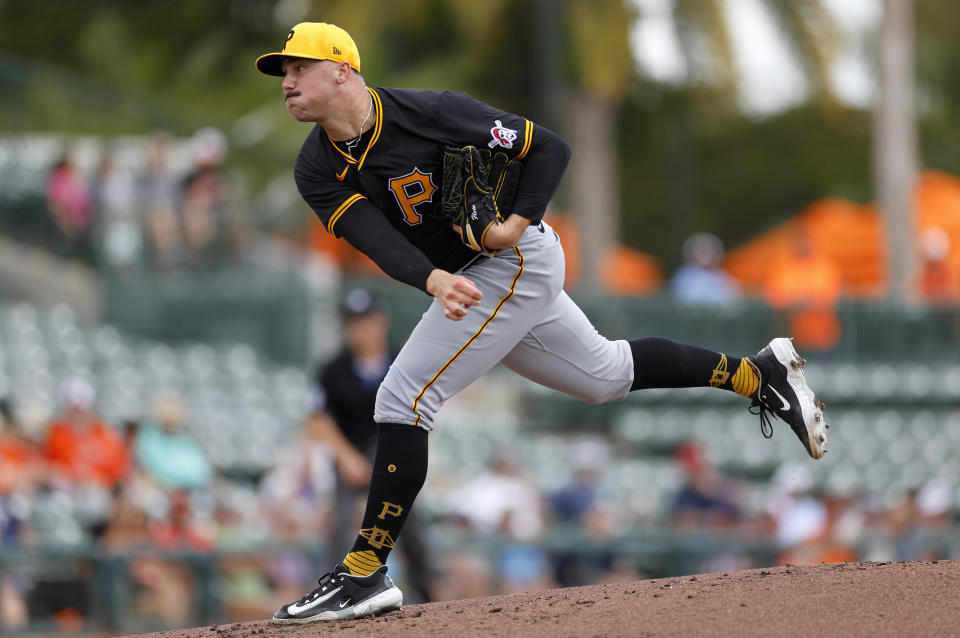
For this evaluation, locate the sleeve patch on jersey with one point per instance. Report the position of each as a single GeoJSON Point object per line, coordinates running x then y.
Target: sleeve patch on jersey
{"type": "Point", "coordinates": [502, 136]}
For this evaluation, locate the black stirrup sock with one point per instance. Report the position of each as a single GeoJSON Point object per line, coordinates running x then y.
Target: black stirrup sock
{"type": "Point", "coordinates": [399, 469]}
{"type": "Point", "coordinates": [663, 363]}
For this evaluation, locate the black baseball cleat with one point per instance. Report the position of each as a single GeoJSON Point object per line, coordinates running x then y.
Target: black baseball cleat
{"type": "Point", "coordinates": [342, 596]}
{"type": "Point", "coordinates": [786, 395]}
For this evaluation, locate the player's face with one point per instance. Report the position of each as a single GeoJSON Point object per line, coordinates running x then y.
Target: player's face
{"type": "Point", "coordinates": [308, 88]}
{"type": "Point", "coordinates": [366, 335]}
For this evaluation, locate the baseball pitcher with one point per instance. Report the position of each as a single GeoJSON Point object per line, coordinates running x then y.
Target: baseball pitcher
{"type": "Point", "coordinates": [448, 194]}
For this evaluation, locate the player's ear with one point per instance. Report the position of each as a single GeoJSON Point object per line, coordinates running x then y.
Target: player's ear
{"type": "Point", "coordinates": [343, 72]}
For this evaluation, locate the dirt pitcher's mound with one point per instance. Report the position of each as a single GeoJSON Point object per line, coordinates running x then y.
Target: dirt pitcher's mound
{"type": "Point", "coordinates": [848, 599]}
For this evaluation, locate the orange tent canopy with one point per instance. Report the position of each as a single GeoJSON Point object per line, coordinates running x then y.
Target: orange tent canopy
{"type": "Point", "coordinates": [854, 237]}
{"type": "Point", "coordinates": [849, 234]}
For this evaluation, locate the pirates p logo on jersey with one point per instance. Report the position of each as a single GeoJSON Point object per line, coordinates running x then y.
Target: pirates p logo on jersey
{"type": "Point", "coordinates": [411, 190]}
{"type": "Point", "coordinates": [502, 136]}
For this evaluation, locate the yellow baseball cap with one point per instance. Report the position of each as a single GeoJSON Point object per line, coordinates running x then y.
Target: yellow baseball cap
{"type": "Point", "coordinates": [314, 41]}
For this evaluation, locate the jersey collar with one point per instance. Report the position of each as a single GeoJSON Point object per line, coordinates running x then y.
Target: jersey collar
{"type": "Point", "coordinates": [377, 127]}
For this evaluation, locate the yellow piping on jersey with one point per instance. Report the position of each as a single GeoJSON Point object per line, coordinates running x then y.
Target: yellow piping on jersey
{"type": "Point", "coordinates": [377, 127]}
{"type": "Point", "coordinates": [499, 187]}
{"type": "Point", "coordinates": [476, 334]}
{"type": "Point", "coordinates": [341, 209]}
{"type": "Point", "coordinates": [527, 139]}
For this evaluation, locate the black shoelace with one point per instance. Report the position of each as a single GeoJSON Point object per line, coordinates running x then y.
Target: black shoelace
{"type": "Point", "coordinates": [766, 429]}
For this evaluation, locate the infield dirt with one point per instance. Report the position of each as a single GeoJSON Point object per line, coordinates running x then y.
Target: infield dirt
{"type": "Point", "coordinates": [846, 599]}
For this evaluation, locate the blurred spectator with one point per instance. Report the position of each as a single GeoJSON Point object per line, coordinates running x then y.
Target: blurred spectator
{"type": "Point", "coordinates": [799, 518]}
{"type": "Point", "coordinates": [239, 518]}
{"type": "Point", "coordinates": [255, 553]}
{"type": "Point", "coordinates": [88, 458]}
{"type": "Point", "coordinates": [501, 502]}
{"type": "Point", "coordinates": [589, 455]}
{"type": "Point", "coordinates": [205, 201]}
{"type": "Point", "coordinates": [844, 526]}
{"type": "Point", "coordinates": [578, 507]}
{"type": "Point", "coordinates": [159, 192]}
{"type": "Point", "coordinates": [297, 497]}
{"type": "Point", "coordinates": [935, 505]}
{"type": "Point", "coordinates": [118, 225]}
{"type": "Point", "coordinates": [21, 468]}
{"type": "Point", "coordinates": [20, 454]}
{"type": "Point", "coordinates": [298, 491]}
{"type": "Point", "coordinates": [919, 524]}
{"type": "Point", "coordinates": [60, 513]}
{"type": "Point", "coordinates": [342, 417]}
{"type": "Point", "coordinates": [707, 500]}
{"type": "Point", "coordinates": [805, 286]}
{"type": "Point", "coordinates": [71, 207]}
{"type": "Point", "coordinates": [182, 533]}
{"type": "Point", "coordinates": [939, 281]}
{"type": "Point", "coordinates": [80, 446]}
{"type": "Point", "coordinates": [180, 530]}
{"type": "Point", "coordinates": [168, 452]}
{"type": "Point", "coordinates": [709, 505]}
{"type": "Point", "coordinates": [849, 519]}
{"type": "Point", "coordinates": [159, 588]}
{"type": "Point", "coordinates": [128, 529]}
{"type": "Point", "coordinates": [701, 280]}
{"type": "Point", "coordinates": [53, 519]}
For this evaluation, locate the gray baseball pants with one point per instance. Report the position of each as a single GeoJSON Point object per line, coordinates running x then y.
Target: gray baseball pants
{"type": "Point", "coordinates": [525, 321]}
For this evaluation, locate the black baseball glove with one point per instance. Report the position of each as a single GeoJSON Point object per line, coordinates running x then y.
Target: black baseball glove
{"type": "Point", "coordinates": [477, 186]}
{"type": "Point", "coordinates": [503, 175]}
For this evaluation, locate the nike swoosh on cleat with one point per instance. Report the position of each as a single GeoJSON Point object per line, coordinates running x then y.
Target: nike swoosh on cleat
{"type": "Point", "coordinates": [296, 608]}
{"type": "Point", "coordinates": [786, 404]}
{"type": "Point", "coordinates": [344, 603]}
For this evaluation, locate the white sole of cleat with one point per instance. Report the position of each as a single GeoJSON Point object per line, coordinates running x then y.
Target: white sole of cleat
{"type": "Point", "coordinates": [380, 604]}
{"type": "Point", "coordinates": [810, 407]}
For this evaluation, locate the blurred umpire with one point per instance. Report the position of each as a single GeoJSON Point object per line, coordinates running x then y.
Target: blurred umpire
{"type": "Point", "coordinates": [345, 391]}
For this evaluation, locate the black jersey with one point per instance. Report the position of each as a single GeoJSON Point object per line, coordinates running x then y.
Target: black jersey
{"type": "Point", "coordinates": [397, 165]}
{"type": "Point", "coordinates": [350, 397]}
